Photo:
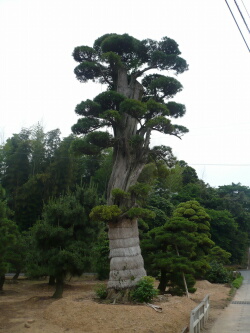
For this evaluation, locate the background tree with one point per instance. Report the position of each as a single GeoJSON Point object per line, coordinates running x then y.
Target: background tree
{"type": "Point", "coordinates": [16, 255]}
{"type": "Point", "coordinates": [168, 251]}
{"type": "Point", "coordinates": [194, 212]}
{"type": "Point", "coordinates": [15, 165]}
{"type": "Point", "coordinates": [224, 232]}
{"type": "Point", "coordinates": [132, 109]}
{"type": "Point", "coordinates": [8, 235]}
{"type": "Point", "coordinates": [64, 237]}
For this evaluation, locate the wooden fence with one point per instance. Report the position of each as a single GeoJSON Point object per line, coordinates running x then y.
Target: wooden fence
{"type": "Point", "coordinates": [199, 316]}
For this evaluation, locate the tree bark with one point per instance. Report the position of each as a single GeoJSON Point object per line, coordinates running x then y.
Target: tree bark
{"type": "Point", "coordinates": [163, 281]}
{"type": "Point", "coordinates": [126, 262]}
{"type": "Point", "coordinates": [52, 280]}
{"type": "Point", "coordinates": [59, 288]}
{"type": "Point", "coordinates": [183, 275]}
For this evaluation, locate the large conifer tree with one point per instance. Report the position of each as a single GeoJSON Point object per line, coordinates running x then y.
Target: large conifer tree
{"type": "Point", "coordinates": [133, 106]}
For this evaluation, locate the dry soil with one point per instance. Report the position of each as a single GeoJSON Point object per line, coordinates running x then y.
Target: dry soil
{"type": "Point", "coordinates": [27, 306]}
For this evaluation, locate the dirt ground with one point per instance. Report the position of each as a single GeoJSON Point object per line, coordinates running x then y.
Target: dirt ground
{"type": "Point", "coordinates": [28, 307]}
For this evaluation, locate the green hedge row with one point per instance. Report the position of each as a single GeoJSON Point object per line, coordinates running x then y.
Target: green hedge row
{"type": "Point", "coordinates": [237, 282]}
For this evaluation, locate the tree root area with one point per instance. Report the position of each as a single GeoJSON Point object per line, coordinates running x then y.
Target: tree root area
{"type": "Point", "coordinates": [28, 305]}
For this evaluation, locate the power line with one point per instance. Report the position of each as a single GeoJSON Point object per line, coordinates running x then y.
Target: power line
{"type": "Point", "coordinates": [245, 8]}
{"type": "Point", "coordinates": [101, 159]}
{"type": "Point", "coordinates": [217, 164]}
{"type": "Point", "coordinates": [242, 15]}
{"type": "Point", "coordinates": [237, 25]}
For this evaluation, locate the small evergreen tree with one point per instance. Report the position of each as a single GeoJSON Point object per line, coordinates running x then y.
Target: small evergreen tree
{"type": "Point", "coordinates": [64, 236]}
{"type": "Point", "coordinates": [169, 250]}
{"type": "Point", "coordinates": [178, 249]}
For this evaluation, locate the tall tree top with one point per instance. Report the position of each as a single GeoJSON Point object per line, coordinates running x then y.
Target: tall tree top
{"type": "Point", "coordinates": [112, 52]}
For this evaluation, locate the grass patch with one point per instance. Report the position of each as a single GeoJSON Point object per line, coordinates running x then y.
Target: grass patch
{"type": "Point", "coordinates": [237, 282]}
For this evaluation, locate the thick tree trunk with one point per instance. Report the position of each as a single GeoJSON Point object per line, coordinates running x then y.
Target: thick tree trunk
{"type": "Point", "coordinates": [52, 280]}
{"type": "Point", "coordinates": [15, 277]}
{"type": "Point", "coordinates": [2, 280]}
{"type": "Point", "coordinates": [163, 281]}
{"type": "Point", "coordinates": [59, 288]}
{"type": "Point", "coordinates": [126, 262]}
{"type": "Point", "coordinates": [128, 161]}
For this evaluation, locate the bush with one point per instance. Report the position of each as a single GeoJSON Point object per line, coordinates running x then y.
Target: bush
{"type": "Point", "coordinates": [218, 273]}
{"type": "Point", "coordinates": [144, 290]}
{"type": "Point", "coordinates": [101, 291]}
{"type": "Point", "coordinates": [237, 282]}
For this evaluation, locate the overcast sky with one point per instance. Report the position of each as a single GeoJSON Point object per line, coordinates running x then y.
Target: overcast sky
{"type": "Point", "coordinates": [37, 83]}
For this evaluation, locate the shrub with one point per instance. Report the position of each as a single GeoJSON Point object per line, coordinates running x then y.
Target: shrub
{"type": "Point", "coordinates": [144, 290]}
{"type": "Point", "coordinates": [101, 291]}
{"type": "Point", "coordinates": [105, 213]}
{"type": "Point", "coordinates": [237, 282]}
{"type": "Point", "coordinates": [218, 273]}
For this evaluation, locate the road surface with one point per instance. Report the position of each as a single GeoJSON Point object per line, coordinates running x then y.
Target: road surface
{"type": "Point", "coordinates": [236, 317]}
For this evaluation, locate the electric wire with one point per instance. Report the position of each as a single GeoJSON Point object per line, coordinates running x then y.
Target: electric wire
{"type": "Point", "coordinates": [242, 15]}
{"type": "Point", "coordinates": [100, 159]}
{"type": "Point", "coordinates": [237, 25]}
{"type": "Point", "coordinates": [245, 8]}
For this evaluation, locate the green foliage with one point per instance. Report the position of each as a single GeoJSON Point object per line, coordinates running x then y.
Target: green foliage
{"type": "Point", "coordinates": [223, 229]}
{"type": "Point", "coordinates": [218, 273]}
{"type": "Point", "coordinates": [61, 243]}
{"type": "Point", "coordinates": [238, 282]}
{"type": "Point", "coordinates": [228, 208]}
{"type": "Point", "coordinates": [105, 213]}
{"type": "Point", "coordinates": [176, 109]}
{"type": "Point", "coordinates": [144, 290]}
{"type": "Point", "coordinates": [136, 212]}
{"type": "Point", "coordinates": [169, 250]}
{"type": "Point", "coordinates": [134, 108]}
{"type": "Point", "coordinates": [148, 174]}
{"type": "Point", "coordinates": [194, 212]}
{"type": "Point", "coordinates": [101, 291]}
{"type": "Point", "coordinates": [159, 219]}
{"type": "Point", "coordinates": [86, 125]}
{"type": "Point", "coordinates": [140, 191]}
{"type": "Point", "coordinates": [163, 156]}
{"type": "Point", "coordinates": [219, 255]}
{"type": "Point", "coordinates": [119, 194]}
{"type": "Point", "coordinates": [109, 100]}
{"type": "Point", "coordinates": [8, 234]}
{"type": "Point", "coordinates": [17, 253]}
{"type": "Point", "coordinates": [178, 247]}
{"type": "Point", "coordinates": [136, 141]}
{"type": "Point", "coordinates": [111, 55]}
{"type": "Point", "coordinates": [88, 108]}
{"type": "Point", "coordinates": [160, 86]}
{"type": "Point", "coordinates": [100, 256]}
